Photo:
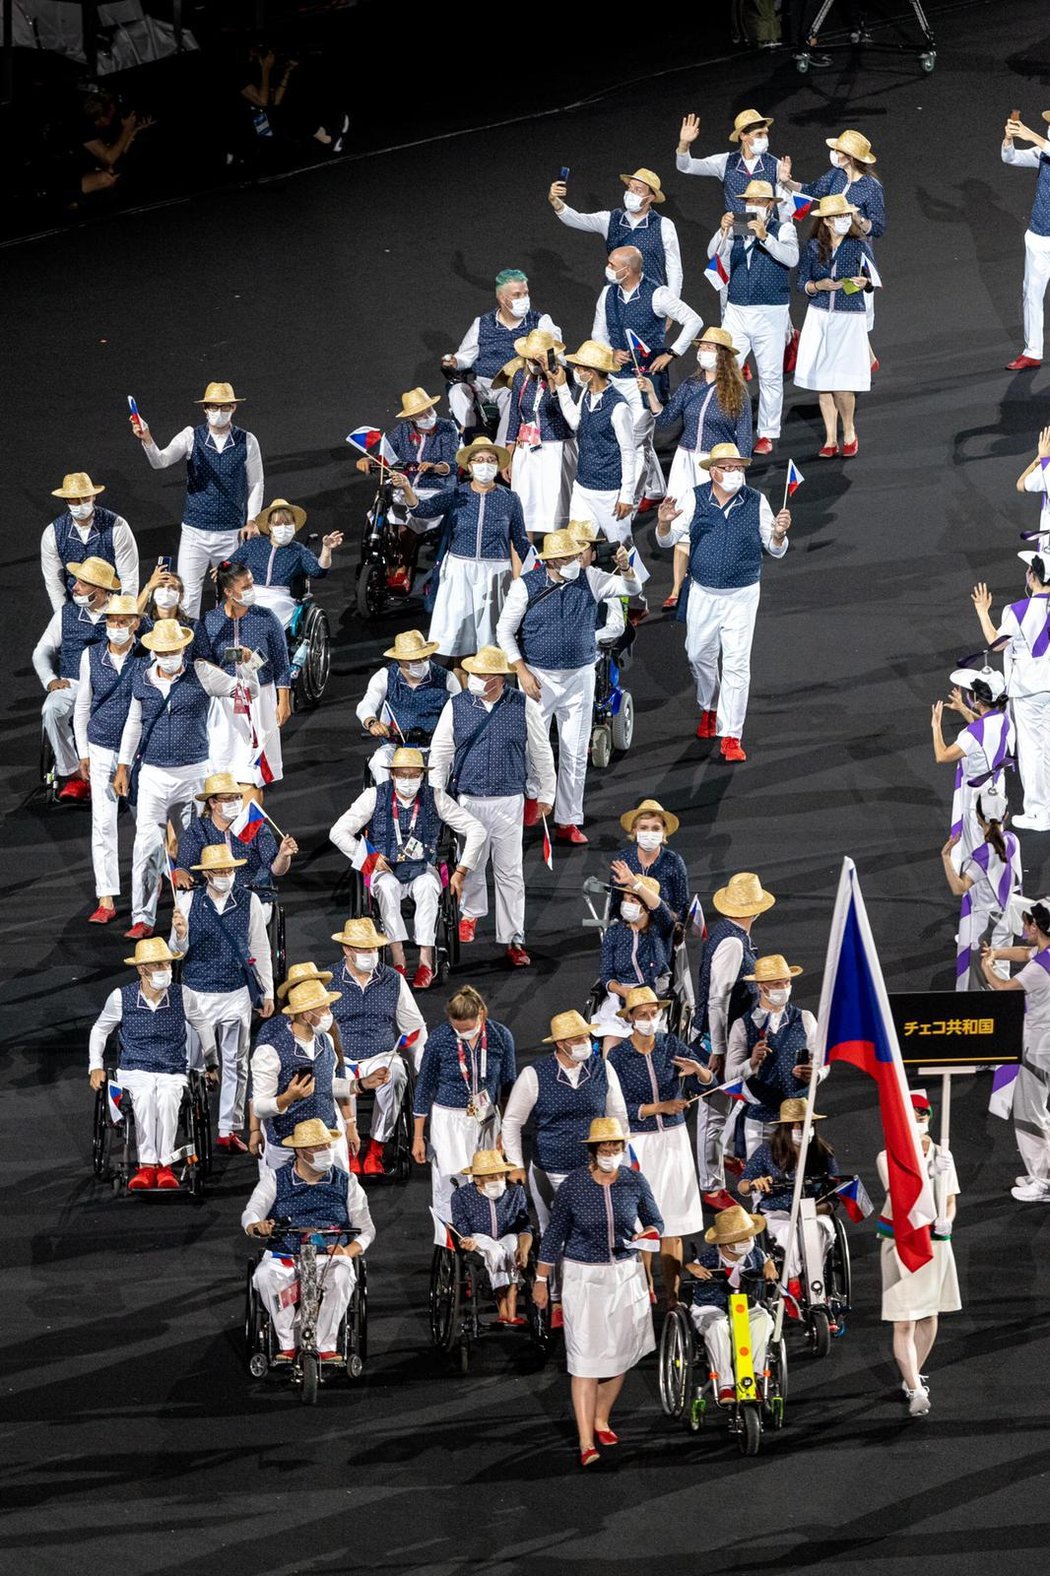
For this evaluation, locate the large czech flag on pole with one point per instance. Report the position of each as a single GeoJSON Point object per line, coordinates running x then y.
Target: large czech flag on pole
{"type": "Point", "coordinates": [856, 1027]}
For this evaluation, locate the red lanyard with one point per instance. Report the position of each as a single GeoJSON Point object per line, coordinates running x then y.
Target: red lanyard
{"type": "Point", "coordinates": [471, 1078]}
{"type": "Point", "coordinates": [397, 819]}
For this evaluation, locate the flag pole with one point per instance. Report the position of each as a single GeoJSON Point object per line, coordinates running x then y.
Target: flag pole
{"type": "Point", "coordinates": [787, 484]}
{"type": "Point", "coordinates": [272, 822]}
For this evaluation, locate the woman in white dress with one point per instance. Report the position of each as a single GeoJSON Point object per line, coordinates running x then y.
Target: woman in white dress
{"type": "Point", "coordinates": [835, 271]}
{"type": "Point", "coordinates": [912, 1301]}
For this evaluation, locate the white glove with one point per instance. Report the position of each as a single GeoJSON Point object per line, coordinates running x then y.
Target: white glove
{"type": "Point", "coordinates": [942, 1228]}
{"type": "Point", "coordinates": [942, 1163]}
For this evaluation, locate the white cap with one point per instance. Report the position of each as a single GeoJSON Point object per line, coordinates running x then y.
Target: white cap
{"type": "Point", "coordinates": [992, 803]}
{"type": "Point", "coordinates": [968, 677]}
{"type": "Point", "coordinates": [1026, 558]}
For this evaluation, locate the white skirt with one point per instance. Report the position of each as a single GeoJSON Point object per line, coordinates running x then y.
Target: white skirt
{"type": "Point", "coordinates": [607, 1018]}
{"type": "Point", "coordinates": [608, 1323]}
{"type": "Point", "coordinates": [279, 600]}
{"type": "Point", "coordinates": [833, 353]}
{"type": "Point", "coordinates": [542, 479]}
{"type": "Point", "coordinates": [234, 739]}
{"type": "Point", "coordinates": [930, 1290]}
{"type": "Point", "coordinates": [667, 1163]}
{"type": "Point", "coordinates": [470, 597]}
{"type": "Point", "coordinates": [686, 473]}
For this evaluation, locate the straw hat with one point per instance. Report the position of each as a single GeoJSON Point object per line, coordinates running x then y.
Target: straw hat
{"type": "Point", "coordinates": [414, 402]}
{"type": "Point", "coordinates": [584, 531]}
{"type": "Point", "coordinates": [410, 646]}
{"type": "Point", "coordinates": [651, 179]}
{"type": "Point", "coordinates": [262, 519]}
{"type": "Point", "coordinates": [360, 933]}
{"type": "Point", "coordinates": [724, 451]}
{"type": "Point", "coordinates": [748, 120]}
{"type": "Point", "coordinates": [568, 1025]}
{"type": "Point", "coordinates": [216, 856]}
{"type": "Point", "coordinates": [717, 336]}
{"type": "Point", "coordinates": [833, 207]}
{"type": "Point", "coordinates": [795, 1111]}
{"type": "Point", "coordinates": [487, 1163]}
{"type": "Point", "coordinates": [640, 996]}
{"type": "Point", "coordinates": [313, 1134]}
{"type": "Point", "coordinates": [559, 544]}
{"type": "Point", "coordinates": [758, 191]}
{"type": "Point", "coordinates": [732, 1225]}
{"type": "Point", "coordinates": [507, 373]}
{"type": "Point", "coordinates": [482, 446]}
{"type": "Point", "coordinates": [773, 967]}
{"type": "Point", "coordinates": [298, 972]}
{"type": "Point", "coordinates": [121, 606]}
{"type": "Point", "coordinates": [155, 950]}
{"type": "Point", "coordinates": [218, 783]}
{"type": "Point", "coordinates": [536, 344]}
{"type": "Point", "coordinates": [167, 635]}
{"type": "Point", "coordinates": [743, 895]}
{"type": "Point", "coordinates": [218, 394]}
{"type": "Point", "coordinates": [77, 484]}
{"type": "Point", "coordinates": [307, 996]}
{"type": "Point", "coordinates": [489, 660]}
{"type": "Point", "coordinates": [96, 572]}
{"type": "Point", "coordinates": [855, 144]}
{"type": "Point", "coordinates": [649, 807]}
{"type": "Point", "coordinates": [649, 882]}
{"type": "Point", "coordinates": [605, 1130]}
{"type": "Point", "coordinates": [408, 757]}
{"type": "Point", "coordinates": [599, 358]}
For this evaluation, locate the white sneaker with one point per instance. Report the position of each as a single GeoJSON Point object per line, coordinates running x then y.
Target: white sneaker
{"type": "Point", "coordinates": [1032, 1191]}
{"type": "Point", "coordinates": [918, 1403]}
{"type": "Point", "coordinates": [1023, 1181]}
{"type": "Point", "coordinates": [924, 1381]}
{"type": "Point", "coordinates": [1031, 823]}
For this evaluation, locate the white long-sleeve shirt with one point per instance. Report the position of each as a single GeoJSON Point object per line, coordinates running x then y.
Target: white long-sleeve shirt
{"type": "Point", "coordinates": [266, 1071]}
{"type": "Point", "coordinates": [516, 605]}
{"type": "Point", "coordinates": [725, 970]}
{"type": "Point", "coordinates": [408, 1019]}
{"type": "Point", "coordinates": [48, 649]}
{"type": "Point", "coordinates": [665, 304]}
{"type": "Point", "coordinates": [181, 446]}
{"type": "Point", "coordinates": [371, 703]}
{"type": "Point", "coordinates": [1025, 157]}
{"type": "Point", "coordinates": [538, 750]}
{"type": "Point", "coordinates": [738, 1058]}
{"type": "Point", "coordinates": [260, 1206]}
{"type": "Point", "coordinates": [212, 680]}
{"type": "Point", "coordinates": [783, 246]}
{"type": "Point", "coordinates": [344, 833]}
{"type": "Point", "coordinates": [258, 940]}
{"type": "Point", "coordinates": [82, 704]}
{"type": "Point", "coordinates": [112, 1015]}
{"type": "Point", "coordinates": [526, 1091]}
{"type": "Point", "coordinates": [679, 528]}
{"type": "Point", "coordinates": [598, 224]}
{"type": "Point", "coordinates": [622, 425]}
{"type": "Point", "coordinates": [125, 551]}
{"type": "Point", "coordinates": [467, 353]}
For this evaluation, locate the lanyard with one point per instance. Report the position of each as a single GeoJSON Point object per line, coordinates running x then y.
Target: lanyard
{"type": "Point", "coordinates": [473, 1079]}
{"type": "Point", "coordinates": [397, 820]}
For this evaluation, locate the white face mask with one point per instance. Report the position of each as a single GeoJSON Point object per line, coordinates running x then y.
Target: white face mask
{"type": "Point", "coordinates": [570, 571]}
{"type": "Point", "coordinates": [228, 808]}
{"type": "Point", "coordinates": [365, 962]}
{"type": "Point", "coordinates": [580, 1051]}
{"type": "Point", "coordinates": [581, 379]}
{"type": "Point", "coordinates": [426, 423]}
{"type": "Point", "coordinates": [521, 306]}
{"type": "Point", "coordinates": [218, 418]}
{"type": "Point", "coordinates": [221, 883]}
{"type": "Point", "coordinates": [778, 997]}
{"type": "Point", "coordinates": [632, 202]}
{"type": "Point", "coordinates": [708, 359]}
{"type": "Point", "coordinates": [483, 470]}
{"type": "Point", "coordinates": [796, 1136]}
{"type": "Point", "coordinates": [82, 599]}
{"type": "Point", "coordinates": [842, 223]}
{"type": "Point", "coordinates": [757, 210]}
{"type": "Point", "coordinates": [731, 481]}
{"type": "Point", "coordinates": [245, 597]}
{"type": "Point", "coordinates": [320, 1160]}
{"type": "Point", "coordinates": [119, 634]}
{"type": "Point", "coordinates": [281, 535]}
{"type": "Point", "coordinates": [835, 159]}
{"type": "Point", "coordinates": [469, 1034]}
{"type": "Point", "coordinates": [494, 1189]}
{"type": "Point", "coordinates": [407, 787]}
{"type": "Point", "coordinates": [166, 596]}
{"type": "Point", "coordinates": [418, 670]}
{"type": "Point", "coordinates": [648, 840]}
{"type": "Point", "coordinates": [759, 145]}
{"type": "Point", "coordinates": [170, 662]}
{"type": "Point", "coordinates": [324, 1022]}
{"type": "Point", "coordinates": [609, 1162]}
{"type": "Point", "coordinates": [646, 1027]}
{"type": "Point", "coordinates": [630, 912]}
{"type": "Point", "coordinates": [160, 979]}
{"type": "Point", "coordinates": [740, 1250]}
{"type": "Point", "coordinates": [923, 1126]}
{"type": "Point", "coordinates": [82, 511]}
{"type": "Point", "coordinates": [612, 276]}
{"type": "Point", "coordinates": [477, 684]}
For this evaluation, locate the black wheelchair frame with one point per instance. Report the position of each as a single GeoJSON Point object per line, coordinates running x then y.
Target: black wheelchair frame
{"type": "Point", "coordinates": [308, 1371]}
{"type": "Point", "coordinates": [310, 651]}
{"type": "Point", "coordinates": [112, 1160]}
{"type": "Point", "coordinates": [458, 1285]}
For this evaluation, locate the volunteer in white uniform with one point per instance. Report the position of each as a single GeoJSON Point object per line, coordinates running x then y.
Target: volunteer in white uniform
{"type": "Point", "coordinates": [1031, 1104]}
{"type": "Point", "coordinates": [1033, 479]}
{"type": "Point", "coordinates": [981, 749]}
{"type": "Point", "coordinates": [1023, 636]}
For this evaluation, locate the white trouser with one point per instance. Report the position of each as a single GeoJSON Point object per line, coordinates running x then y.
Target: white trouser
{"type": "Point", "coordinates": [388, 1096]}
{"type": "Point", "coordinates": [498, 1253]}
{"type": "Point", "coordinates": [1036, 278]}
{"type": "Point", "coordinates": [501, 819]}
{"type": "Point", "coordinates": [155, 1100]}
{"type": "Point", "coordinates": [104, 809]}
{"type": "Point", "coordinates": [272, 1277]}
{"type": "Point", "coordinates": [230, 1014]}
{"type": "Point", "coordinates": [777, 1222]}
{"type": "Point", "coordinates": [379, 762]}
{"type": "Point", "coordinates": [1031, 715]}
{"type": "Point", "coordinates": [199, 552]}
{"type": "Point", "coordinates": [598, 505]}
{"type": "Point", "coordinates": [57, 714]}
{"type": "Point", "coordinates": [710, 1127]}
{"type": "Point", "coordinates": [1031, 1114]}
{"type": "Point", "coordinates": [762, 329]}
{"type": "Point", "coordinates": [650, 474]}
{"type": "Point", "coordinates": [460, 404]}
{"type": "Point", "coordinates": [165, 794]}
{"type": "Point", "coordinates": [713, 1326]}
{"type": "Point", "coordinates": [426, 893]}
{"type": "Point", "coordinates": [722, 623]}
{"type": "Point", "coordinates": [279, 600]}
{"type": "Point", "coordinates": [567, 694]}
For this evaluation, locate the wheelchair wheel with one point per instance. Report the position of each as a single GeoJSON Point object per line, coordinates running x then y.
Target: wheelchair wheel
{"type": "Point", "coordinates": [311, 1376]}
{"type": "Point", "coordinates": [360, 1319]}
{"type": "Point", "coordinates": [838, 1272]}
{"type": "Point", "coordinates": [623, 723]}
{"type": "Point", "coordinates": [371, 590]}
{"type": "Point", "coordinates": [819, 1332]}
{"type": "Point", "coordinates": [256, 1327]}
{"type": "Point", "coordinates": [200, 1121]}
{"type": "Point", "coordinates": [316, 635]}
{"type": "Point", "coordinates": [444, 1298]}
{"type": "Point", "coordinates": [100, 1136]}
{"type": "Point", "coordinates": [601, 746]}
{"type": "Point", "coordinates": [48, 772]}
{"type": "Point", "coordinates": [749, 1438]}
{"type": "Point", "coordinates": [402, 1137]}
{"type": "Point", "coordinates": [276, 937]}
{"type": "Point", "coordinates": [676, 1363]}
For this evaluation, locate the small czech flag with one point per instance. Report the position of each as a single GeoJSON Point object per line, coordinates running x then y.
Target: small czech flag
{"type": "Point", "coordinates": [249, 822]}
{"type": "Point", "coordinates": [365, 857]}
{"type": "Point", "coordinates": [735, 1091]}
{"type": "Point", "coordinates": [114, 1096]}
{"type": "Point", "coordinates": [695, 917]}
{"type": "Point", "coordinates": [636, 343]}
{"type": "Point", "coordinates": [261, 765]}
{"type": "Point", "coordinates": [855, 1199]}
{"type": "Point", "coordinates": [801, 203]}
{"type": "Point", "coordinates": [795, 478]}
{"type": "Point", "coordinates": [441, 1226]}
{"type": "Point", "coordinates": [869, 268]}
{"type": "Point", "coordinates": [716, 273]}
{"type": "Point", "coordinates": [407, 1040]}
{"type": "Point", "coordinates": [647, 1242]}
{"type": "Point", "coordinates": [373, 443]}
{"type": "Point", "coordinates": [548, 857]}
{"type": "Point", "coordinates": [632, 1158]}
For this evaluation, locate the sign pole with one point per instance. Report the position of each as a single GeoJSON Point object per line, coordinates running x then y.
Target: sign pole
{"type": "Point", "coordinates": [946, 1074]}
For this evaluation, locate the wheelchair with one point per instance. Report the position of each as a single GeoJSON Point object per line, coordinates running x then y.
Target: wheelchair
{"type": "Point", "coordinates": [388, 560]}
{"type": "Point", "coordinates": [680, 1010]}
{"type": "Point", "coordinates": [48, 769]}
{"type": "Point", "coordinates": [825, 1292]}
{"type": "Point", "coordinates": [688, 1393]}
{"type": "Point", "coordinates": [308, 1372]}
{"type": "Point", "coordinates": [484, 413]}
{"type": "Point", "coordinates": [398, 1158]}
{"type": "Point", "coordinates": [310, 650]}
{"type": "Point", "coordinates": [612, 723]}
{"type": "Point", "coordinates": [275, 932]}
{"type": "Point", "coordinates": [459, 1289]}
{"type": "Point", "coordinates": [361, 905]}
{"type": "Point", "coordinates": [113, 1141]}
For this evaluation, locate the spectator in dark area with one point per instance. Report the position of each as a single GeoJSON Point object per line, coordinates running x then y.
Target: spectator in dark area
{"type": "Point", "coordinates": [289, 103]}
